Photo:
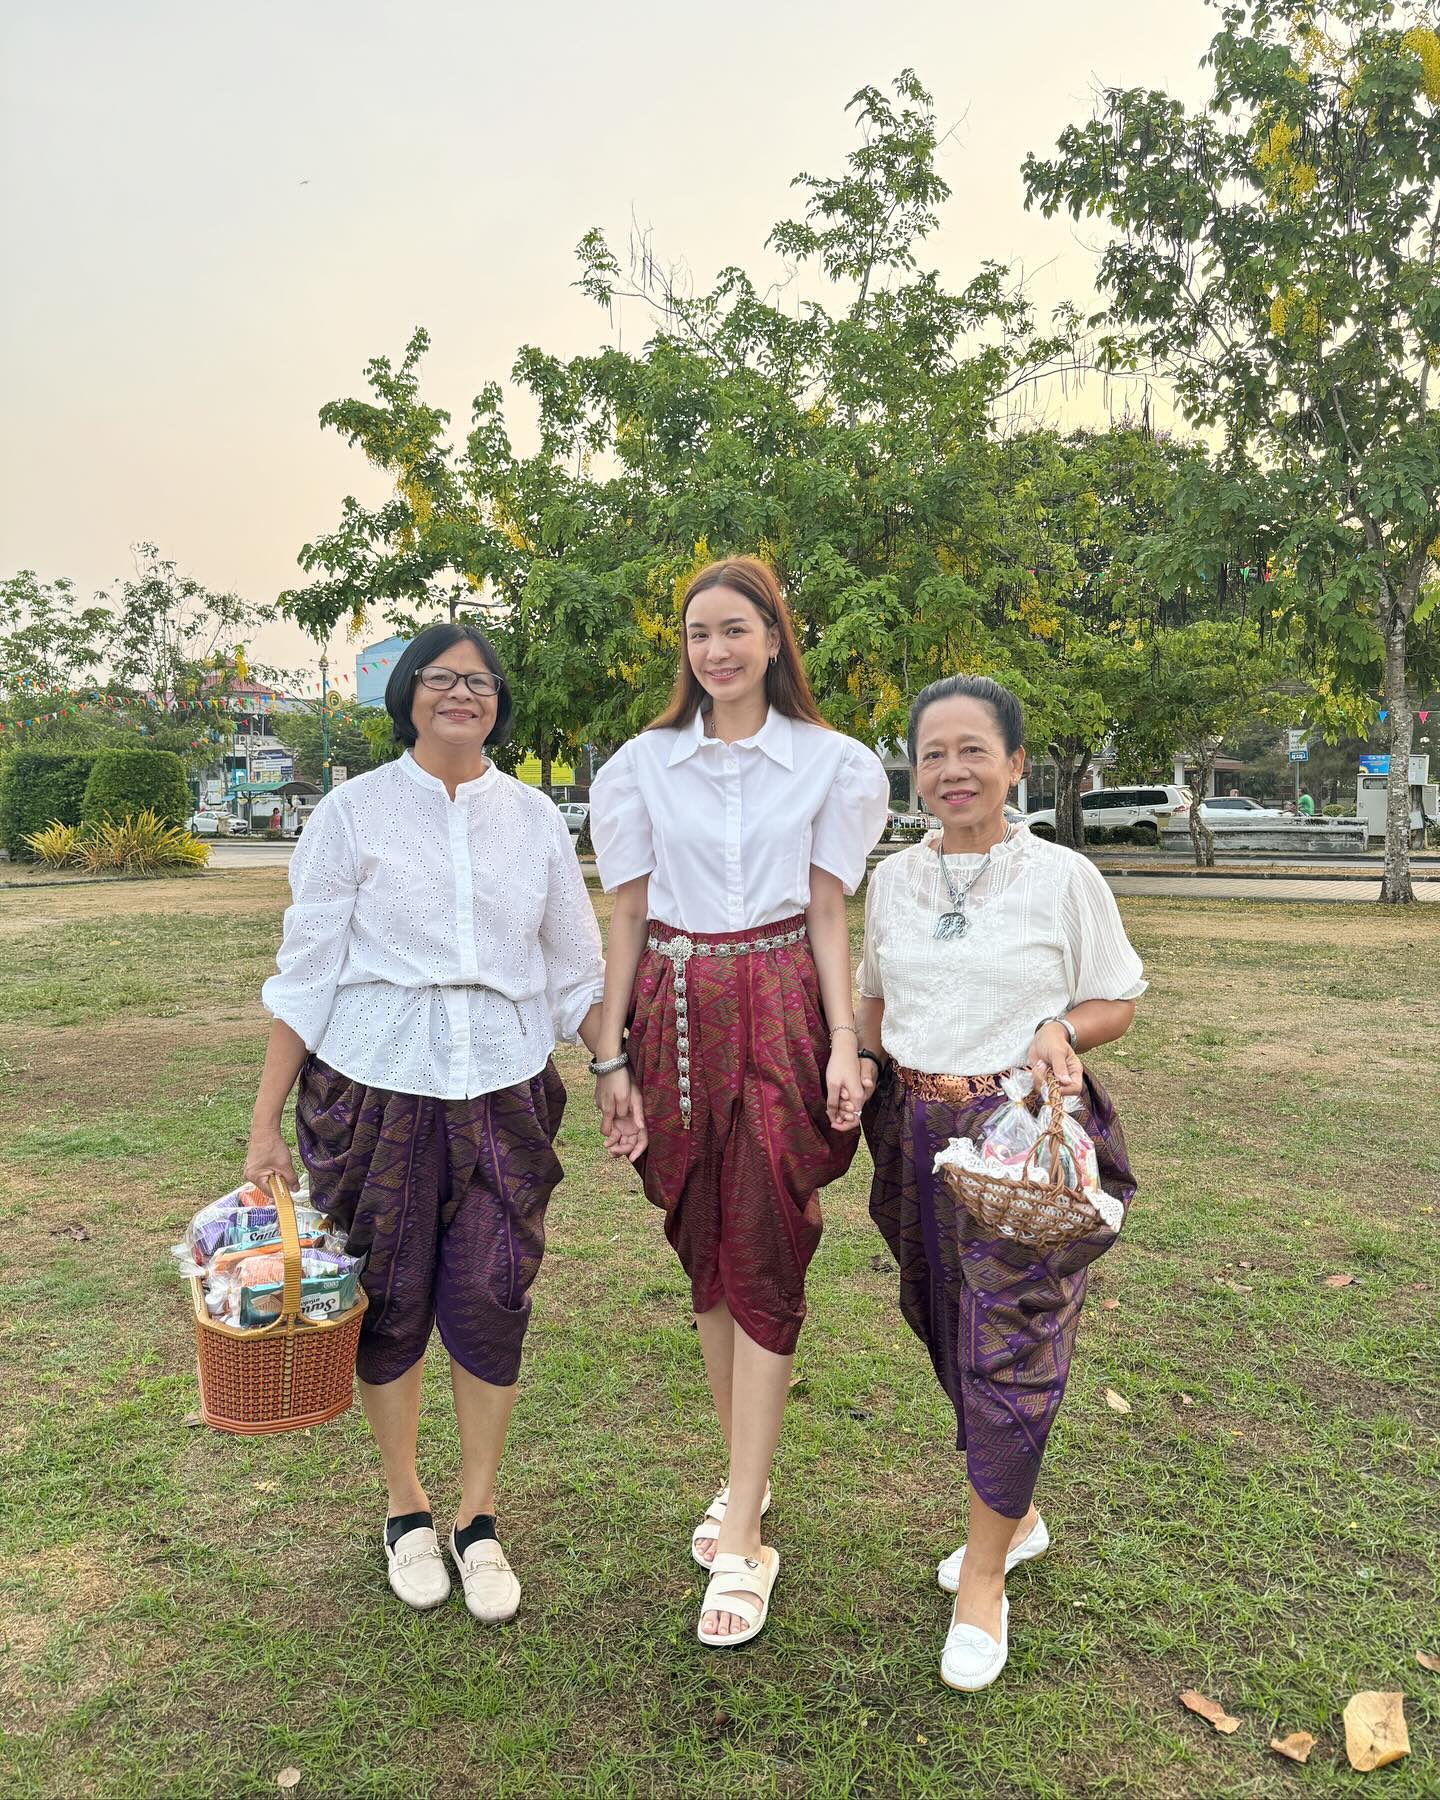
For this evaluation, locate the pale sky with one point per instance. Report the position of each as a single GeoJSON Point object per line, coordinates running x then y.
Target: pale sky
{"type": "Point", "coordinates": [213, 217]}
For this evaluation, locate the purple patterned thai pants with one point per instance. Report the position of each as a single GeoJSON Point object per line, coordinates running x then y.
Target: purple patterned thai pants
{"type": "Point", "coordinates": [998, 1318]}
{"type": "Point", "coordinates": [447, 1199]}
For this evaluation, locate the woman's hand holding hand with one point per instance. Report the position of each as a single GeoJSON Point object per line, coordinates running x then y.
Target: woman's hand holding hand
{"type": "Point", "coordinates": [622, 1114]}
{"type": "Point", "coordinates": [1050, 1054]}
{"type": "Point", "coordinates": [267, 1155]}
{"type": "Point", "coordinates": [845, 1091]}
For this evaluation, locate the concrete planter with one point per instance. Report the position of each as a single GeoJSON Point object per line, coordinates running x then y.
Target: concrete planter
{"type": "Point", "coordinates": [1287, 837]}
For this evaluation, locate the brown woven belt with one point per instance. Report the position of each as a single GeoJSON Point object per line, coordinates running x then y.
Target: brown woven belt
{"type": "Point", "coordinates": [951, 1090]}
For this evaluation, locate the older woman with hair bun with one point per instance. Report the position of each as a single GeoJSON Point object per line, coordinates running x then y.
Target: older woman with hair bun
{"type": "Point", "coordinates": [439, 941]}
{"type": "Point", "coordinates": [985, 949]}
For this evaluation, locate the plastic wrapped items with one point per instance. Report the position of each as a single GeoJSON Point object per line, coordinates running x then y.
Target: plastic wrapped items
{"type": "Point", "coordinates": [243, 1268]}
{"type": "Point", "coordinates": [1007, 1149]}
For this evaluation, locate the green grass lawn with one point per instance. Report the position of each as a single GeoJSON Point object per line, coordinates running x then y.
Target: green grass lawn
{"type": "Point", "coordinates": [187, 1614]}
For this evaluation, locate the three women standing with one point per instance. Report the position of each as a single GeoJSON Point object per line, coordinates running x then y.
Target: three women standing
{"type": "Point", "coordinates": [985, 949]}
{"type": "Point", "coordinates": [440, 939]}
{"type": "Point", "coordinates": [731, 832]}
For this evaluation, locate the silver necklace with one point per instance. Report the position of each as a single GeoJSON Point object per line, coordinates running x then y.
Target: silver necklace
{"type": "Point", "coordinates": [956, 922]}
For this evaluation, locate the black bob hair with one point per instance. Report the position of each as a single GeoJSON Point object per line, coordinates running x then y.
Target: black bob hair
{"type": "Point", "coordinates": [1009, 717]}
{"type": "Point", "coordinates": [419, 653]}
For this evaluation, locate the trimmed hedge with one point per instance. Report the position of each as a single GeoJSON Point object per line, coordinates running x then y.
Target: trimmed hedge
{"type": "Point", "coordinates": [43, 787]}
{"type": "Point", "coordinates": [126, 782]}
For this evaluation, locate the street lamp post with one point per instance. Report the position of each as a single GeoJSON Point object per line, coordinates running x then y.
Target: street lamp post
{"type": "Point", "coordinates": [324, 723]}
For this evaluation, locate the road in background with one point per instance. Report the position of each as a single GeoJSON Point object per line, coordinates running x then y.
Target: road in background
{"type": "Point", "coordinates": [1219, 886]}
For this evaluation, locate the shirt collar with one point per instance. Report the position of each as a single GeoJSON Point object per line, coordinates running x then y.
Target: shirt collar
{"type": "Point", "coordinates": [776, 737]}
{"type": "Point", "coordinates": [423, 779]}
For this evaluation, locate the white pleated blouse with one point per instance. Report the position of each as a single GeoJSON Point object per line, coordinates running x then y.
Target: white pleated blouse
{"type": "Point", "coordinates": [728, 833]}
{"type": "Point", "coordinates": [435, 946]}
{"type": "Point", "coordinates": [1044, 935]}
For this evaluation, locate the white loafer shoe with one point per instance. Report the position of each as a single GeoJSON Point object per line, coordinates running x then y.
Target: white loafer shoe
{"type": "Point", "coordinates": [417, 1569]}
{"type": "Point", "coordinates": [1030, 1549]}
{"type": "Point", "coordinates": [492, 1591]}
{"type": "Point", "coordinates": [971, 1658]}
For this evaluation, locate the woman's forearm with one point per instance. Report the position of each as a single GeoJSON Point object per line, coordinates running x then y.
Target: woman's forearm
{"type": "Point", "coordinates": [869, 1019]}
{"type": "Point", "coordinates": [623, 950]}
{"type": "Point", "coordinates": [1098, 1022]}
{"type": "Point", "coordinates": [285, 1054]}
{"type": "Point", "coordinates": [830, 946]}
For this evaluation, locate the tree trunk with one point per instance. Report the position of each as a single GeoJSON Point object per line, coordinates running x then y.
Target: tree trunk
{"type": "Point", "coordinates": [545, 771]}
{"type": "Point", "coordinates": [1395, 889]}
{"type": "Point", "coordinates": [1202, 839]}
{"type": "Point", "coordinates": [1071, 762]}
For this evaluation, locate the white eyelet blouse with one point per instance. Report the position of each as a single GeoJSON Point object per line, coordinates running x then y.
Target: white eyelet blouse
{"type": "Point", "coordinates": [727, 833]}
{"type": "Point", "coordinates": [1044, 935]}
{"type": "Point", "coordinates": [435, 946]}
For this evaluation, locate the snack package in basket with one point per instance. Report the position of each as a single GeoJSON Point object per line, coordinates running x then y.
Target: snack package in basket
{"type": "Point", "coordinates": [212, 1226]}
{"type": "Point", "coordinates": [1013, 1132]}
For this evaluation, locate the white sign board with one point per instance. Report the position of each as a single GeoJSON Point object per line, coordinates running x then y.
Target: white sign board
{"type": "Point", "coordinates": [338, 772]}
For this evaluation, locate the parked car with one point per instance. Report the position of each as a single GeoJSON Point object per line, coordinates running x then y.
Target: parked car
{"type": "Point", "coordinates": [210, 821]}
{"type": "Point", "coordinates": [1235, 809]}
{"type": "Point", "coordinates": [1147, 807]}
{"type": "Point", "coordinates": [574, 813]}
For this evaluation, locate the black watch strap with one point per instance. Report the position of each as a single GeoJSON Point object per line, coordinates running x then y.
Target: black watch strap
{"type": "Point", "coordinates": [870, 1056]}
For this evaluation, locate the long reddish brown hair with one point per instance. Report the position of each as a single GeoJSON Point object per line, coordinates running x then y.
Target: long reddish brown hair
{"type": "Point", "coordinates": [787, 686]}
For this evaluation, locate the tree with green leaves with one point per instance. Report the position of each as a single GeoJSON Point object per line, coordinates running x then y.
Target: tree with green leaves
{"type": "Point", "coordinates": [848, 442]}
{"type": "Point", "coordinates": [1276, 256]}
{"type": "Point", "coordinates": [171, 635]}
{"type": "Point", "coordinates": [49, 640]}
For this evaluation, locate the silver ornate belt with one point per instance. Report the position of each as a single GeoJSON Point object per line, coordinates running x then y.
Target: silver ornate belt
{"type": "Point", "coordinates": [679, 950]}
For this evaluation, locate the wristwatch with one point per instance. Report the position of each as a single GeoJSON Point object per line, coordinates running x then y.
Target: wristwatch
{"type": "Point", "coordinates": [1064, 1024]}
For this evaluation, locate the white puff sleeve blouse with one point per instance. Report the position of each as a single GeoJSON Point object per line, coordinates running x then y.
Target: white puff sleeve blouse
{"type": "Point", "coordinates": [1045, 934]}
{"type": "Point", "coordinates": [728, 833]}
{"type": "Point", "coordinates": [435, 946]}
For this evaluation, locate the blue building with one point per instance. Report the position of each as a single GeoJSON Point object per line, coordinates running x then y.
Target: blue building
{"type": "Point", "coordinates": [372, 669]}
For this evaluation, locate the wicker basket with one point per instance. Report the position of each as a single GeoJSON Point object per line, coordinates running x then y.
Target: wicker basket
{"type": "Point", "coordinates": [1042, 1213]}
{"type": "Point", "coordinates": [279, 1377]}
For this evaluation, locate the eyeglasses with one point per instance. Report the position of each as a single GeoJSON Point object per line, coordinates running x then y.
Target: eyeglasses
{"type": "Point", "coordinates": [441, 680]}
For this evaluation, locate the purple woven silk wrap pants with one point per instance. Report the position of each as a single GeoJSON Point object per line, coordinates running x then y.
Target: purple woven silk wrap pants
{"type": "Point", "coordinates": [998, 1318]}
{"type": "Point", "coordinates": [447, 1198]}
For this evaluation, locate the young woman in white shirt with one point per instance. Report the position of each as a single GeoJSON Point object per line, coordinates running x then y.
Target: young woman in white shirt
{"type": "Point", "coordinates": [439, 940]}
{"type": "Point", "coordinates": [730, 833]}
{"type": "Point", "coordinates": [986, 948]}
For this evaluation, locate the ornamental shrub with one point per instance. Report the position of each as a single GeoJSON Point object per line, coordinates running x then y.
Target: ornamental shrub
{"type": "Point", "coordinates": [126, 782]}
{"type": "Point", "coordinates": [43, 787]}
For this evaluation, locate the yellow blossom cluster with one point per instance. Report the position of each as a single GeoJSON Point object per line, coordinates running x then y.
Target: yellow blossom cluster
{"type": "Point", "coordinates": [1423, 42]}
{"type": "Point", "coordinates": [1287, 177]}
{"type": "Point", "coordinates": [1040, 620]}
{"type": "Point", "coordinates": [1291, 314]}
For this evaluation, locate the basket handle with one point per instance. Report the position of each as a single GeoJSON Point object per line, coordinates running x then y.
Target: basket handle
{"type": "Point", "coordinates": [1054, 1132]}
{"type": "Point", "coordinates": [289, 1246]}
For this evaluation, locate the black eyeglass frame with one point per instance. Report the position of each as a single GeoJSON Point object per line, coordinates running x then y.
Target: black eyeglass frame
{"type": "Point", "coordinates": [451, 678]}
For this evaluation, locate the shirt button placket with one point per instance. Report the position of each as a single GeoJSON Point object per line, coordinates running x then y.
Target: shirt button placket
{"type": "Point", "coordinates": [734, 877]}
{"type": "Point", "coordinates": [458, 823]}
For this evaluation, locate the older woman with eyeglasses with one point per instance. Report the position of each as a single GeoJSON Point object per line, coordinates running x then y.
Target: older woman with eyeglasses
{"type": "Point", "coordinates": [439, 941]}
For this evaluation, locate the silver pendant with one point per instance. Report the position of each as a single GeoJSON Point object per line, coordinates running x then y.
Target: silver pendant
{"type": "Point", "coordinates": [951, 925]}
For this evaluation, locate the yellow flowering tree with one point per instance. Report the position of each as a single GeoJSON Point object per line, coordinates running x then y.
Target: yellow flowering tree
{"type": "Point", "coordinates": [1278, 256]}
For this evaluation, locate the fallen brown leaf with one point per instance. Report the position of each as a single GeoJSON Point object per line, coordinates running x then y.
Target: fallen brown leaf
{"type": "Point", "coordinates": [191, 1421]}
{"type": "Point", "coordinates": [1375, 1733]}
{"type": "Point", "coordinates": [1210, 1710]}
{"type": "Point", "coordinates": [288, 1778]}
{"type": "Point", "coordinates": [881, 1264]}
{"type": "Point", "coordinates": [1185, 1400]}
{"type": "Point", "coordinates": [1108, 1305]}
{"type": "Point", "coordinates": [76, 1233]}
{"type": "Point", "coordinates": [1427, 1661]}
{"type": "Point", "coordinates": [1117, 1402]}
{"type": "Point", "coordinates": [1338, 1280]}
{"type": "Point", "coordinates": [1297, 1746]}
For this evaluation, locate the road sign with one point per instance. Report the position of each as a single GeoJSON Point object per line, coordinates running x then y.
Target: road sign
{"type": "Point", "coordinates": [1299, 756]}
{"type": "Point", "coordinates": [338, 772]}
{"type": "Point", "coordinates": [1295, 740]}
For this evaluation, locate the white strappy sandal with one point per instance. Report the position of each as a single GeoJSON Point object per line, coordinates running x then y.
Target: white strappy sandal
{"type": "Point", "coordinates": [708, 1530]}
{"type": "Point", "coordinates": [734, 1581]}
